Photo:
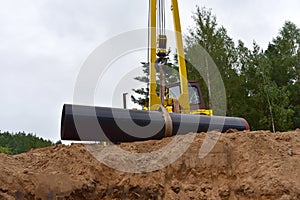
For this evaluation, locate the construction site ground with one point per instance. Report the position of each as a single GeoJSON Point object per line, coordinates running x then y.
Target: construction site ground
{"type": "Point", "coordinates": [242, 165]}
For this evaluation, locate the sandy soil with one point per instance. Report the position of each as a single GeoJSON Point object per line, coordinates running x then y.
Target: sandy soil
{"type": "Point", "coordinates": [242, 165]}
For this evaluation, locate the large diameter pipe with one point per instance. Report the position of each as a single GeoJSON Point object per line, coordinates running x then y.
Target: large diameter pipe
{"type": "Point", "coordinates": [87, 123]}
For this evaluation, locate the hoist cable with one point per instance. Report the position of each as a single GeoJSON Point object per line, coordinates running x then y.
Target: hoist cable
{"type": "Point", "coordinates": [161, 19]}
{"type": "Point", "coordinates": [148, 49]}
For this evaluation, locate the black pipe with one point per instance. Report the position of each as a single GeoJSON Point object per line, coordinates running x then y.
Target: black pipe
{"type": "Point", "coordinates": [87, 123]}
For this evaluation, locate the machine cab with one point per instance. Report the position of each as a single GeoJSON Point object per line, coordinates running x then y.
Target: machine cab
{"type": "Point", "coordinates": [195, 95]}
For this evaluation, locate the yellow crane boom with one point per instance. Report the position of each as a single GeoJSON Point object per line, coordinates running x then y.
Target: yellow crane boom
{"type": "Point", "coordinates": [184, 97]}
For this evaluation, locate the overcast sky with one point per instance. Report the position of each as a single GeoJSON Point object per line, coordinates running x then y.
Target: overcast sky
{"type": "Point", "coordinates": [43, 44]}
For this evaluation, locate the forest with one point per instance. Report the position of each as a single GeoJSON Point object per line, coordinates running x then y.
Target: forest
{"type": "Point", "coordinates": [16, 143]}
{"type": "Point", "coordinates": [262, 86]}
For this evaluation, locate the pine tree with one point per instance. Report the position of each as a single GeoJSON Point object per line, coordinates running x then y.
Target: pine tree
{"type": "Point", "coordinates": [284, 55]}
{"type": "Point", "coordinates": [142, 94]}
{"type": "Point", "coordinates": [221, 48]}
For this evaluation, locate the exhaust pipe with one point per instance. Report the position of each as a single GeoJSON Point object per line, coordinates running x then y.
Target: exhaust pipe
{"type": "Point", "coordinates": [88, 123]}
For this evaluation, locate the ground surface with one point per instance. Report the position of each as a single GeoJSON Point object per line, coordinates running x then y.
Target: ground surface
{"type": "Point", "coordinates": [242, 165]}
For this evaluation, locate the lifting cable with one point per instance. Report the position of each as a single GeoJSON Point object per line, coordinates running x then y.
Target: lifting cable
{"type": "Point", "coordinates": [148, 49]}
{"type": "Point", "coordinates": [161, 19]}
{"type": "Point", "coordinates": [161, 22]}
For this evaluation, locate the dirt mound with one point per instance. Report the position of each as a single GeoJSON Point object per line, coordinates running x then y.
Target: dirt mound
{"type": "Point", "coordinates": [242, 165]}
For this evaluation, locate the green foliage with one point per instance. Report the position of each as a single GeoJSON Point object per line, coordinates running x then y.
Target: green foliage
{"type": "Point", "coordinates": [143, 93]}
{"type": "Point", "coordinates": [221, 49]}
{"type": "Point", "coordinates": [20, 142]}
{"type": "Point", "coordinates": [262, 86]}
{"type": "Point", "coordinates": [284, 56]}
{"type": "Point", "coordinates": [5, 150]}
{"type": "Point", "coordinates": [58, 142]}
{"type": "Point", "coordinates": [275, 113]}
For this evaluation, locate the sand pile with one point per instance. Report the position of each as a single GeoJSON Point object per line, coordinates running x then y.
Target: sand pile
{"type": "Point", "coordinates": [242, 165]}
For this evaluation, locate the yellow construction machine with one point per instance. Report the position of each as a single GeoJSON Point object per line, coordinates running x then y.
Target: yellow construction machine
{"type": "Point", "coordinates": [186, 94]}
{"type": "Point", "coordinates": [177, 109]}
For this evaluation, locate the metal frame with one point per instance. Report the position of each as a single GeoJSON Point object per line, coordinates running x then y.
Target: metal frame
{"type": "Point", "coordinates": [154, 100]}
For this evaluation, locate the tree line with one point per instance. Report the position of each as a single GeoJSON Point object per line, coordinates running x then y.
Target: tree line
{"type": "Point", "coordinates": [16, 143]}
{"type": "Point", "coordinates": [262, 86]}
